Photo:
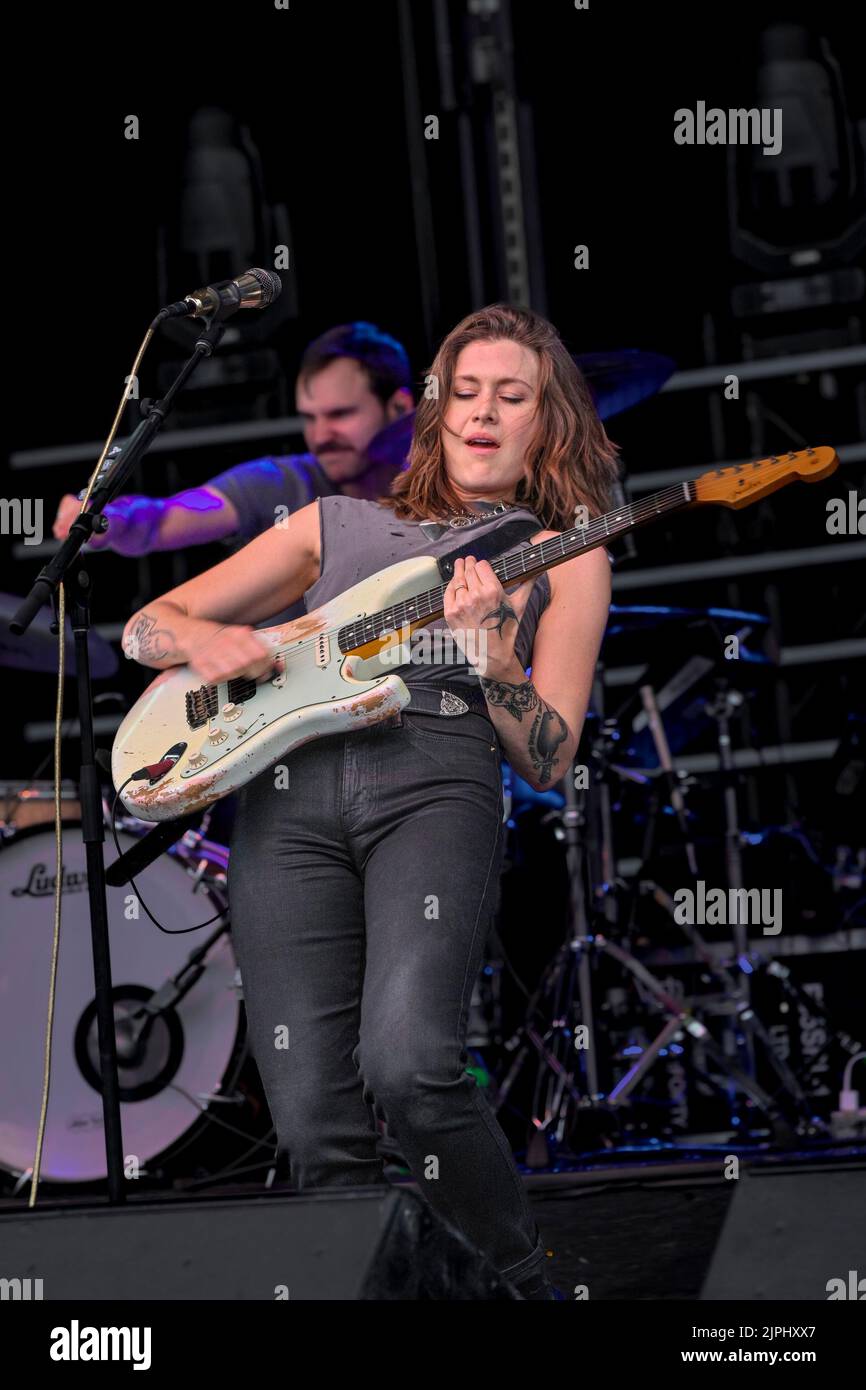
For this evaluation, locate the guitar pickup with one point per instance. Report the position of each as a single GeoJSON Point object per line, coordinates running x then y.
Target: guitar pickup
{"type": "Point", "coordinates": [323, 649]}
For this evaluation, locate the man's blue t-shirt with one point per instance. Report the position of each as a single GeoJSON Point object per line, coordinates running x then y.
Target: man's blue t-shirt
{"type": "Point", "coordinates": [258, 488]}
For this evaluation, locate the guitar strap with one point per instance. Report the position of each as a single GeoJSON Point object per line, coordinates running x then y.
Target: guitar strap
{"type": "Point", "coordinates": [489, 546]}
{"type": "Point", "coordinates": [449, 699]}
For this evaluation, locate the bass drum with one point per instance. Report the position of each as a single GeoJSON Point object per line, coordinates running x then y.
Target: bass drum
{"type": "Point", "coordinates": [189, 1057]}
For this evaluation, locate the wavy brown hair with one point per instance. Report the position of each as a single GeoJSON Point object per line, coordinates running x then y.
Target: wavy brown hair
{"type": "Point", "coordinates": [573, 461]}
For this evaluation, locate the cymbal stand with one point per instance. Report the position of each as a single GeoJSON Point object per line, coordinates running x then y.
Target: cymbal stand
{"type": "Point", "coordinates": [564, 993]}
{"type": "Point", "coordinates": [736, 986]}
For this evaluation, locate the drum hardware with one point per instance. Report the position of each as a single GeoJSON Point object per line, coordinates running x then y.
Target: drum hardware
{"type": "Point", "coordinates": [23, 804]}
{"type": "Point", "coordinates": [31, 802]}
{"type": "Point", "coordinates": [750, 1028]}
{"type": "Point", "coordinates": [727, 702]}
{"type": "Point", "coordinates": [849, 869]}
{"type": "Point", "coordinates": [176, 988]}
{"type": "Point", "coordinates": [734, 1001]}
{"type": "Point", "coordinates": [564, 1002]}
{"type": "Point", "coordinates": [807, 1003]}
{"type": "Point", "coordinates": [199, 874]}
{"type": "Point", "coordinates": [655, 638]}
{"type": "Point", "coordinates": [675, 785]}
{"type": "Point", "coordinates": [36, 649]}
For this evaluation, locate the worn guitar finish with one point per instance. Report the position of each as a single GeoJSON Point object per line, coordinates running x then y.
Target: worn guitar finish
{"type": "Point", "coordinates": [184, 745]}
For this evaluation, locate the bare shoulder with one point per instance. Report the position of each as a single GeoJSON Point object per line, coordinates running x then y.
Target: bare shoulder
{"type": "Point", "coordinates": [570, 631]}
{"type": "Point", "coordinates": [304, 527]}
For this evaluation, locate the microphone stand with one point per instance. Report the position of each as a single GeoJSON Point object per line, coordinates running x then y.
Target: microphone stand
{"type": "Point", "coordinates": [115, 471]}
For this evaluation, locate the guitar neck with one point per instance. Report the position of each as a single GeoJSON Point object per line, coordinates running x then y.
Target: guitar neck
{"type": "Point", "coordinates": [525, 563]}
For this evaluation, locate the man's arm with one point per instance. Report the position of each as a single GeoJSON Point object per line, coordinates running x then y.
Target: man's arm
{"type": "Point", "coordinates": [138, 525]}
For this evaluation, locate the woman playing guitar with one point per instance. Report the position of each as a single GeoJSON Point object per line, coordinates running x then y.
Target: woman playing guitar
{"type": "Point", "coordinates": [364, 871]}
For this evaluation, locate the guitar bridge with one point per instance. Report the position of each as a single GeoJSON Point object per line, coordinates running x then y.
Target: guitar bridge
{"type": "Point", "coordinates": [203, 704]}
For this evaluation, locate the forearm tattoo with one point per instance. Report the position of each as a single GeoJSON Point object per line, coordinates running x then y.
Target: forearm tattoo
{"type": "Point", "coordinates": [500, 616]}
{"type": "Point", "coordinates": [548, 729]}
{"type": "Point", "coordinates": [516, 699]}
{"type": "Point", "coordinates": [146, 642]}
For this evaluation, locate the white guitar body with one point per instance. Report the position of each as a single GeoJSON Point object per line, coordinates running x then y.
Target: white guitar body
{"type": "Point", "coordinates": [320, 691]}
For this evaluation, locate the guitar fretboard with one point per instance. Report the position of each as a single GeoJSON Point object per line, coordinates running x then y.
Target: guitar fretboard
{"type": "Point", "coordinates": [522, 563]}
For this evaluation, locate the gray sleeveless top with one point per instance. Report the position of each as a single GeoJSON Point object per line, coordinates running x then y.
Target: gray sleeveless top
{"type": "Point", "coordinates": [360, 537]}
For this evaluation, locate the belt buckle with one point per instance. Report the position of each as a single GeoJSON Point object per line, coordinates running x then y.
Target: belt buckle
{"type": "Point", "coordinates": [451, 704]}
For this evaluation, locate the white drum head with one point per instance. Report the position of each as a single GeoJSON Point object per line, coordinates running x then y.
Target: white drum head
{"type": "Point", "coordinates": [188, 1050]}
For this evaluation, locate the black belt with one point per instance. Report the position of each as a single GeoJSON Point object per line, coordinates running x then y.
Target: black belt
{"type": "Point", "coordinates": [450, 702]}
{"type": "Point", "coordinates": [457, 704]}
{"type": "Point", "coordinates": [447, 699]}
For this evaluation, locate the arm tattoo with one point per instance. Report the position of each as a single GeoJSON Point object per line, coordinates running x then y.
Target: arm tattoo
{"type": "Point", "coordinates": [147, 642]}
{"type": "Point", "coordinates": [548, 729]}
{"type": "Point", "coordinates": [515, 698]}
{"type": "Point", "coordinates": [546, 734]}
{"type": "Point", "coordinates": [500, 616]}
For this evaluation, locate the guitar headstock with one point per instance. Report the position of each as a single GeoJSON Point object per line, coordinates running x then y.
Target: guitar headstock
{"type": "Point", "coordinates": [744, 483]}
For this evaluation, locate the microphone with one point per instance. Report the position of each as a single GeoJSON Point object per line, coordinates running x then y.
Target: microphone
{"type": "Point", "coordinates": [255, 289]}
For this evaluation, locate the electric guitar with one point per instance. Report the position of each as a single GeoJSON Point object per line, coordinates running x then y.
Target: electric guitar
{"type": "Point", "coordinates": [183, 745]}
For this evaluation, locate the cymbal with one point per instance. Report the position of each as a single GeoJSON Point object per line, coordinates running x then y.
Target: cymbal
{"type": "Point", "coordinates": [391, 444]}
{"type": "Point", "coordinates": [617, 380]}
{"type": "Point", "coordinates": [620, 379]}
{"type": "Point", "coordinates": [638, 617]}
{"type": "Point", "coordinates": [36, 649]}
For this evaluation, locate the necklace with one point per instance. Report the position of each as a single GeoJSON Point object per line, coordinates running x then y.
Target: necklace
{"type": "Point", "coordinates": [466, 518]}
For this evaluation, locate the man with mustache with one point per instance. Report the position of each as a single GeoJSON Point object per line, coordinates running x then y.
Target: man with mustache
{"type": "Point", "coordinates": [353, 394]}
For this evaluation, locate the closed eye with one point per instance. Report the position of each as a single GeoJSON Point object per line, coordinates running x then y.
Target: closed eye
{"type": "Point", "coordinates": [467, 395]}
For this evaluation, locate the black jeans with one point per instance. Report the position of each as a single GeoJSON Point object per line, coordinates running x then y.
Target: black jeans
{"type": "Point", "coordinates": [361, 895]}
